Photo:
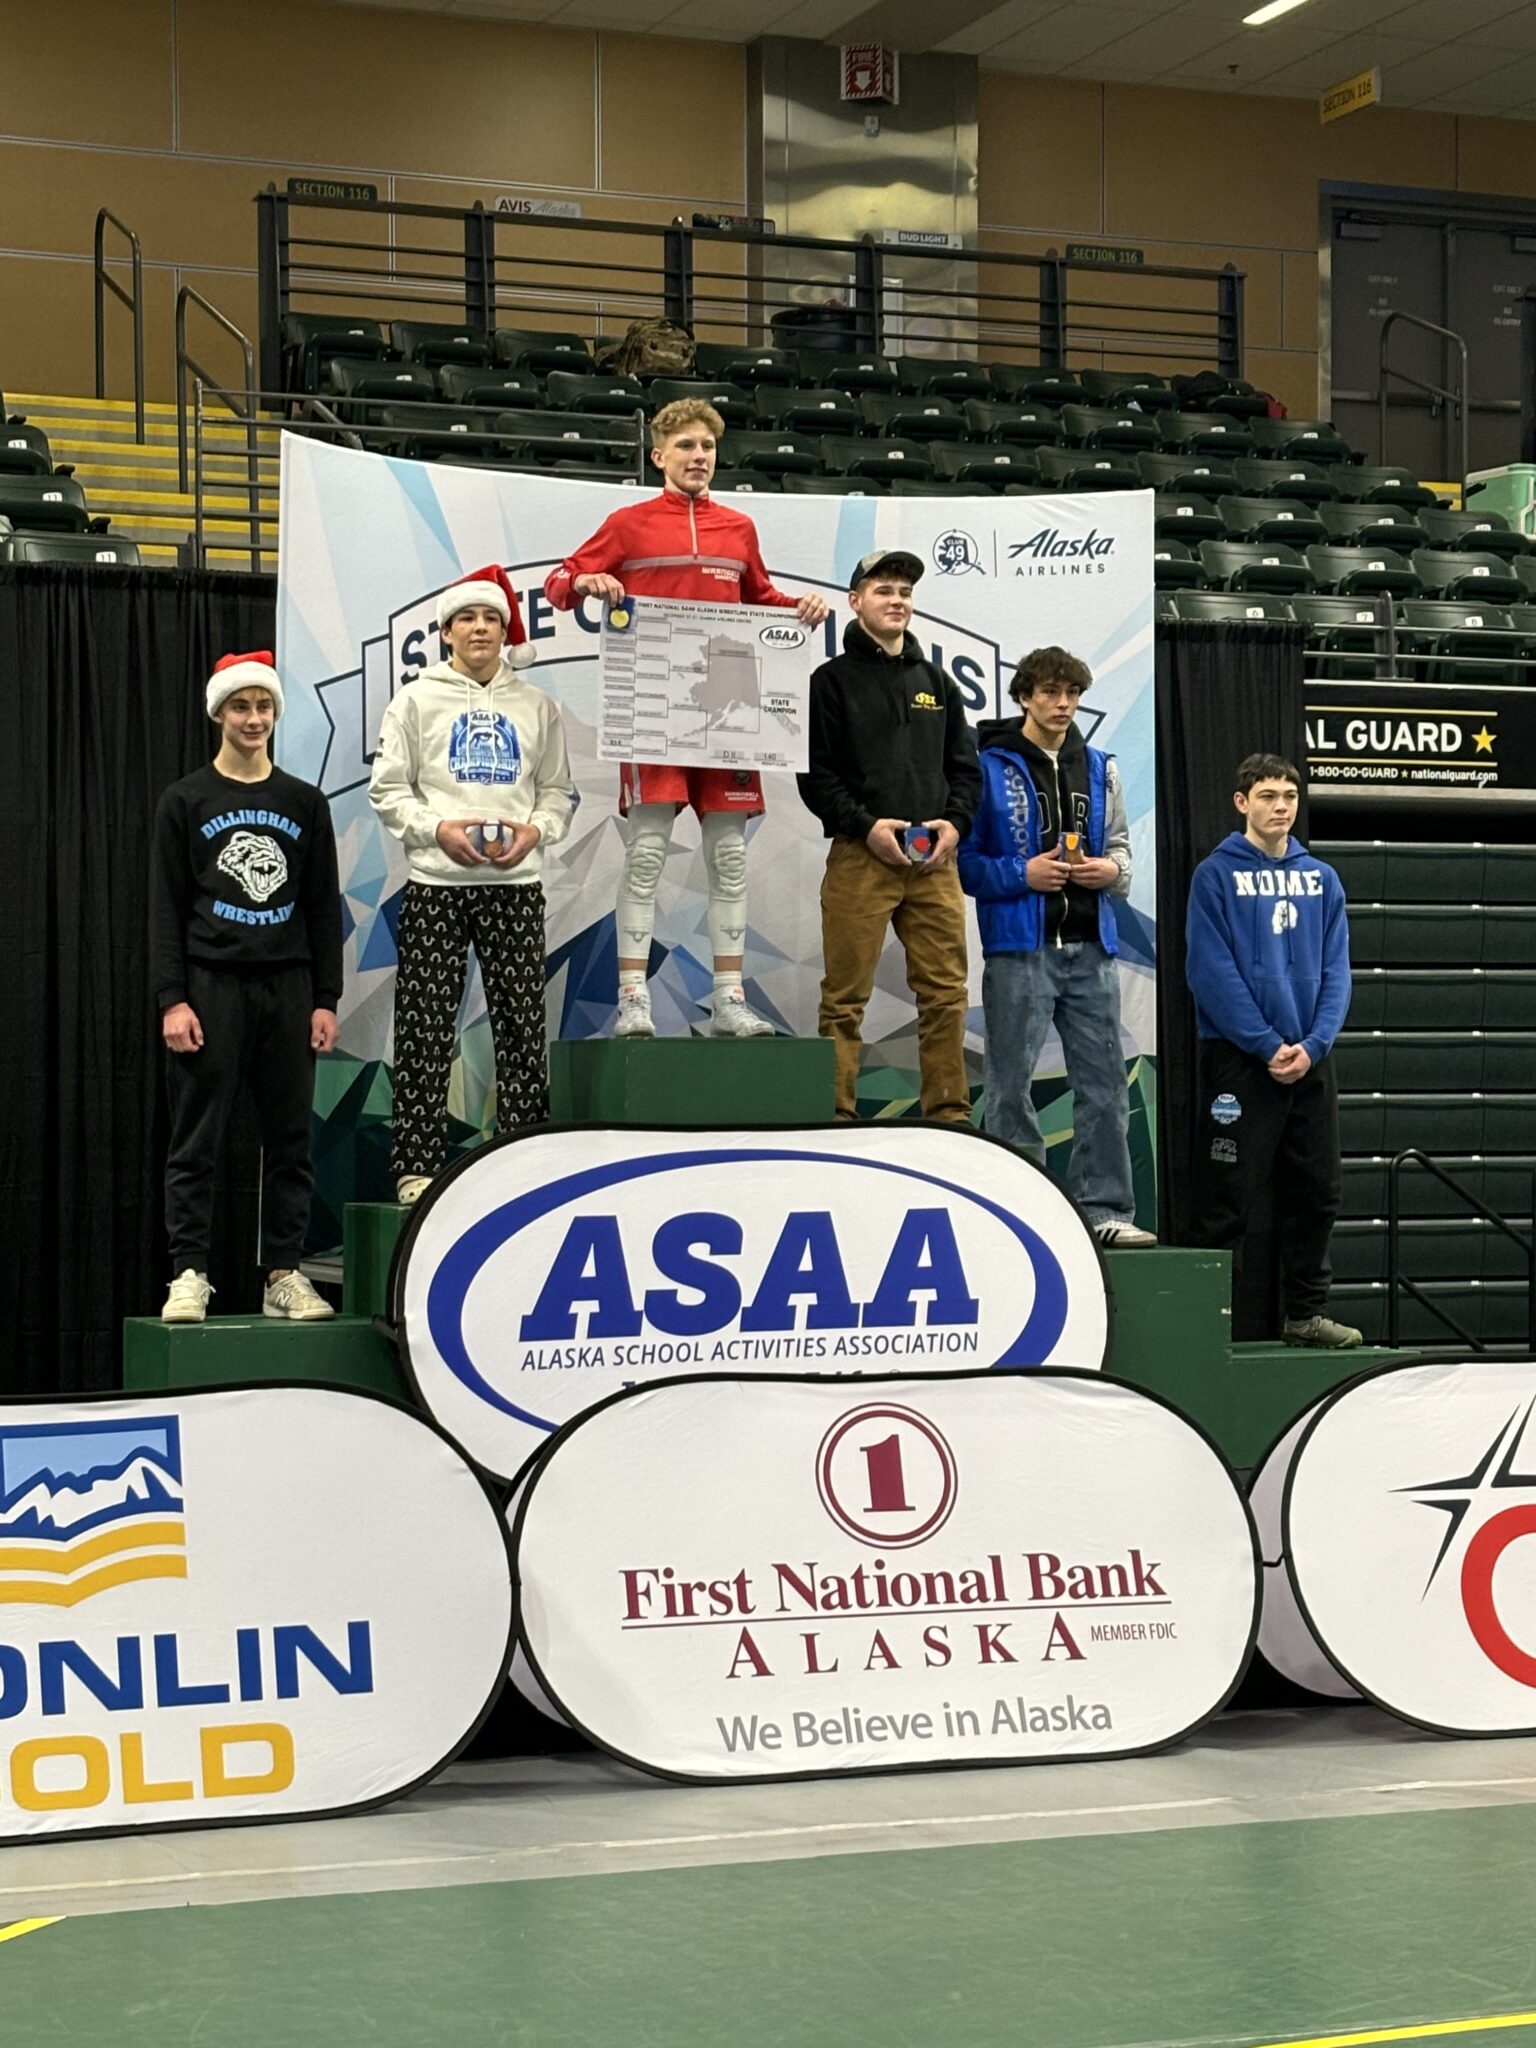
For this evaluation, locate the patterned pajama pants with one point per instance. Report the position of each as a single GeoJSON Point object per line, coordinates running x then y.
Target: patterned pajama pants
{"type": "Point", "coordinates": [504, 922]}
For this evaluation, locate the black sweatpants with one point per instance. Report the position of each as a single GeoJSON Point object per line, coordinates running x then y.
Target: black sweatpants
{"type": "Point", "coordinates": [1270, 1184]}
{"type": "Point", "coordinates": [256, 1031]}
{"type": "Point", "coordinates": [504, 922]}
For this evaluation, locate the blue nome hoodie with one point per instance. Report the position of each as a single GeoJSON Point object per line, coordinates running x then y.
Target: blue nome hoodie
{"type": "Point", "coordinates": [1268, 949]}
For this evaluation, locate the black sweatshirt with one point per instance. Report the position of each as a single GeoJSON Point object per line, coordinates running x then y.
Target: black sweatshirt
{"type": "Point", "coordinates": [244, 879]}
{"type": "Point", "coordinates": [889, 739]}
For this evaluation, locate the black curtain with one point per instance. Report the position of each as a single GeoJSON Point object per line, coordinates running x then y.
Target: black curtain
{"type": "Point", "coordinates": [104, 671]}
{"type": "Point", "coordinates": [1223, 691]}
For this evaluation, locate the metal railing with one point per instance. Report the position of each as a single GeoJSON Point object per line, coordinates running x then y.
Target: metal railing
{"type": "Point", "coordinates": [219, 439]}
{"type": "Point", "coordinates": [736, 284]}
{"type": "Point", "coordinates": [1457, 398]}
{"type": "Point", "coordinates": [1398, 1282]}
{"type": "Point", "coordinates": [241, 402]}
{"type": "Point", "coordinates": [103, 282]}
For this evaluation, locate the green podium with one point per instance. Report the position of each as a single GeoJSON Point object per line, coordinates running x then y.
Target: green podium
{"type": "Point", "coordinates": [718, 1081]}
{"type": "Point", "coordinates": [229, 1350]}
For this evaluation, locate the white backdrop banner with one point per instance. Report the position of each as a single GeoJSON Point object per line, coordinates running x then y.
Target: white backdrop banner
{"type": "Point", "coordinates": [792, 1578]}
{"type": "Point", "coordinates": [1409, 1530]}
{"type": "Point", "coordinates": [367, 542]}
{"type": "Point", "coordinates": [551, 1269]}
{"type": "Point", "coordinates": [259, 1605]}
{"type": "Point", "coordinates": [1285, 1641]}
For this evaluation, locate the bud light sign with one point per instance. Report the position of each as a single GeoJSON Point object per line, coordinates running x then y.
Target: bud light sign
{"type": "Point", "coordinates": [553, 1269]}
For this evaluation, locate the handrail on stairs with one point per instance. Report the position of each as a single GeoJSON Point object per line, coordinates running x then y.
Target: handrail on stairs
{"type": "Point", "coordinates": [133, 300]}
{"type": "Point", "coordinates": [241, 403]}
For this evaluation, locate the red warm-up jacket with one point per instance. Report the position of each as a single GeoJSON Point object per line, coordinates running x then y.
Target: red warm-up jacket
{"type": "Point", "coordinates": [672, 546]}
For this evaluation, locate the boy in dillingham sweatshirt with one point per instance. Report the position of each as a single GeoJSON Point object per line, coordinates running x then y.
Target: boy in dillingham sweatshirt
{"type": "Point", "coordinates": [471, 772]}
{"type": "Point", "coordinates": [1268, 966]}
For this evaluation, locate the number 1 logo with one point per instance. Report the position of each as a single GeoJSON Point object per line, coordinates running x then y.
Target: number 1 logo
{"type": "Point", "coordinates": [886, 1476]}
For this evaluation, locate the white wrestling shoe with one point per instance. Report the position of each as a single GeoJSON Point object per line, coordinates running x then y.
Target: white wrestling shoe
{"type": "Point", "coordinates": [734, 1017]}
{"type": "Point", "coordinates": [294, 1300]}
{"type": "Point", "coordinates": [634, 1014]}
{"type": "Point", "coordinates": [187, 1301]}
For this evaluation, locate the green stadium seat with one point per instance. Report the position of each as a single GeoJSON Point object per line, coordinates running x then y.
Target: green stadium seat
{"type": "Point", "coordinates": [751, 480]}
{"type": "Point", "coordinates": [1186, 516]}
{"type": "Point", "coordinates": [1202, 474]}
{"type": "Point", "coordinates": [1117, 388]}
{"type": "Point", "coordinates": [1165, 611]}
{"type": "Point", "coordinates": [567, 437]}
{"type": "Point", "coordinates": [1308, 481]}
{"type": "Point", "coordinates": [1466, 642]}
{"type": "Point", "coordinates": [739, 364]}
{"type": "Point", "coordinates": [1342, 635]}
{"type": "Point", "coordinates": [466, 384]}
{"type": "Point", "coordinates": [733, 402]}
{"type": "Point", "coordinates": [833, 487]}
{"type": "Point", "coordinates": [992, 463]}
{"type": "Point", "coordinates": [1087, 469]}
{"type": "Point", "coordinates": [420, 432]}
{"type": "Point", "coordinates": [1371, 484]}
{"type": "Point", "coordinates": [1419, 999]}
{"type": "Point", "coordinates": [95, 550]}
{"type": "Point", "coordinates": [1306, 440]}
{"type": "Point", "coordinates": [1026, 423]}
{"type": "Point", "coordinates": [911, 419]}
{"type": "Point", "coordinates": [43, 504]}
{"type": "Point", "coordinates": [1092, 426]}
{"type": "Point", "coordinates": [780, 453]}
{"type": "Point", "coordinates": [602, 392]}
{"type": "Point", "coordinates": [24, 450]}
{"type": "Point", "coordinates": [1447, 871]}
{"type": "Point", "coordinates": [1458, 573]}
{"type": "Point", "coordinates": [1422, 935]}
{"type": "Point", "coordinates": [1287, 519]}
{"type": "Point", "coordinates": [310, 340]}
{"type": "Point", "coordinates": [930, 487]}
{"type": "Point", "coordinates": [1371, 526]}
{"type": "Point", "coordinates": [361, 387]}
{"type": "Point", "coordinates": [434, 342]}
{"type": "Point", "coordinates": [1363, 572]}
{"type": "Point", "coordinates": [850, 455]}
{"type": "Point", "coordinates": [846, 372]}
{"type": "Point", "coordinates": [1436, 1062]}
{"type": "Point", "coordinates": [1255, 565]}
{"type": "Point", "coordinates": [819, 411]}
{"type": "Point", "coordinates": [1237, 397]}
{"type": "Point", "coordinates": [1488, 532]}
{"type": "Point", "coordinates": [943, 377]}
{"type": "Point", "coordinates": [1175, 566]}
{"type": "Point", "coordinates": [1047, 387]}
{"type": "Point", "coordinates": [541, 350]}
{"type": "Point", "coordinates": [1241, 607]}
{"type": "Point", "coordinates": [1196, 433]}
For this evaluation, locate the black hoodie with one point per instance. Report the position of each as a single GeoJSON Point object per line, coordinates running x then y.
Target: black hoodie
{"type": "Point", "coordinates": [889, 739]}
{"type": "Point", "coordinates": [1061, 785]}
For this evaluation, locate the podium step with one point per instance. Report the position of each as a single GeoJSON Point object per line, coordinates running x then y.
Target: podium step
{"type": "Point", "coordinates": [230, 1350]}
{"type": "Point", "coordinates": [714, 1081]}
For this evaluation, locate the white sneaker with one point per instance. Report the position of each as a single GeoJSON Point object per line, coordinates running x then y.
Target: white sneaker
{"type": "Point", "coordinates": [734, 1017]}
{"type": "Point", "coordinates": [1122, 1237]}
{"type": "Point", "coordinates": [410, 1187]}
{"type": "Point", "coordinates": [293, 1298]}
{"type": "Point", "coordinates": [634, 1014]}
{"type": "Point", "coordinates": [187, 1301]}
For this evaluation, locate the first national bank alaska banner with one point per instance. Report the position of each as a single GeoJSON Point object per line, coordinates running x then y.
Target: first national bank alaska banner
{"type": "Point", "coordinates": [366, 544]}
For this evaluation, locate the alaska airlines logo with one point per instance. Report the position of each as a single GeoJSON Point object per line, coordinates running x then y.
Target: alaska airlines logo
{"type": "Point", "coordinates": [89, 1505]}
{"type": "Point", "coordinates": [1051, 552]}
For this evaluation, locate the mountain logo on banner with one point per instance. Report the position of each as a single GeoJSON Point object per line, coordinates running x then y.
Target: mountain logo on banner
{"type": "Point", "coordinates": [887, 1475]}
{"type": "Point", "coordinates": [1493, 1474]}
{"type": "Point", "coordinates": [89, 1505]}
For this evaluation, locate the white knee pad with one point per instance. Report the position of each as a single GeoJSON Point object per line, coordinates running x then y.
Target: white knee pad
{"type": "Point", "coordinates": [645, 857]}
{"type": "Point", "coordinates": [725, 862]}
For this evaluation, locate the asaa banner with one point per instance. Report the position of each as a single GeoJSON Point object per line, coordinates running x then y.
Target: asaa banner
{"type": "Point", "coordinates": [366, 543]}
{"type": "Point", "coordinates": [555, 1267]}
{"type": "Point", "coordinates": [1285, 1641]}
{"type": "Point", "coordinates": [746, 1579]}
{"type": "Point", "coordinates": [265, 1604]}
{"type": "Point", "coordinates": [1409, 1528]}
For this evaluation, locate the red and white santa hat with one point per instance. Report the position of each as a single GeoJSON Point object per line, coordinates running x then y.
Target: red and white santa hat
{"type": "Point", "coordinates": [490, 586]}
{"type": "Point", "coordinates": [233, 672]}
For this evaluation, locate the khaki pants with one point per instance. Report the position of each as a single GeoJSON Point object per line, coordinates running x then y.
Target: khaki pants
{"type": "Point", "coordinates": [860, 898]}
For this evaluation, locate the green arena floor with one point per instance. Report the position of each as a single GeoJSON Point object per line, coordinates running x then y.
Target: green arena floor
{"type": "Point", "coordinates": [1327, 1878]}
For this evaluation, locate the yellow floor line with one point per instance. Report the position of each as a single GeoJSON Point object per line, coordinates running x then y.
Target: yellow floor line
{"type": "Point", "coordinates": [1436, 2030]}
{"type": "Point", "coordinates": [18, 1928]}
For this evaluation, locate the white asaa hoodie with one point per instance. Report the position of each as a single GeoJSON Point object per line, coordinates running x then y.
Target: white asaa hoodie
{"type": "Point", "coordinates": [450, 747]}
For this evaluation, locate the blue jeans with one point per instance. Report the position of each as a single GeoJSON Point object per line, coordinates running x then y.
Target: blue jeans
{"type": "Point", "coordinates": [1077, 988]}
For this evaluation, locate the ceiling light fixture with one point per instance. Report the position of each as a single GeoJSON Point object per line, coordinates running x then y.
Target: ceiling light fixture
{"type": "Point", "coordinates": [1269, 12]}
